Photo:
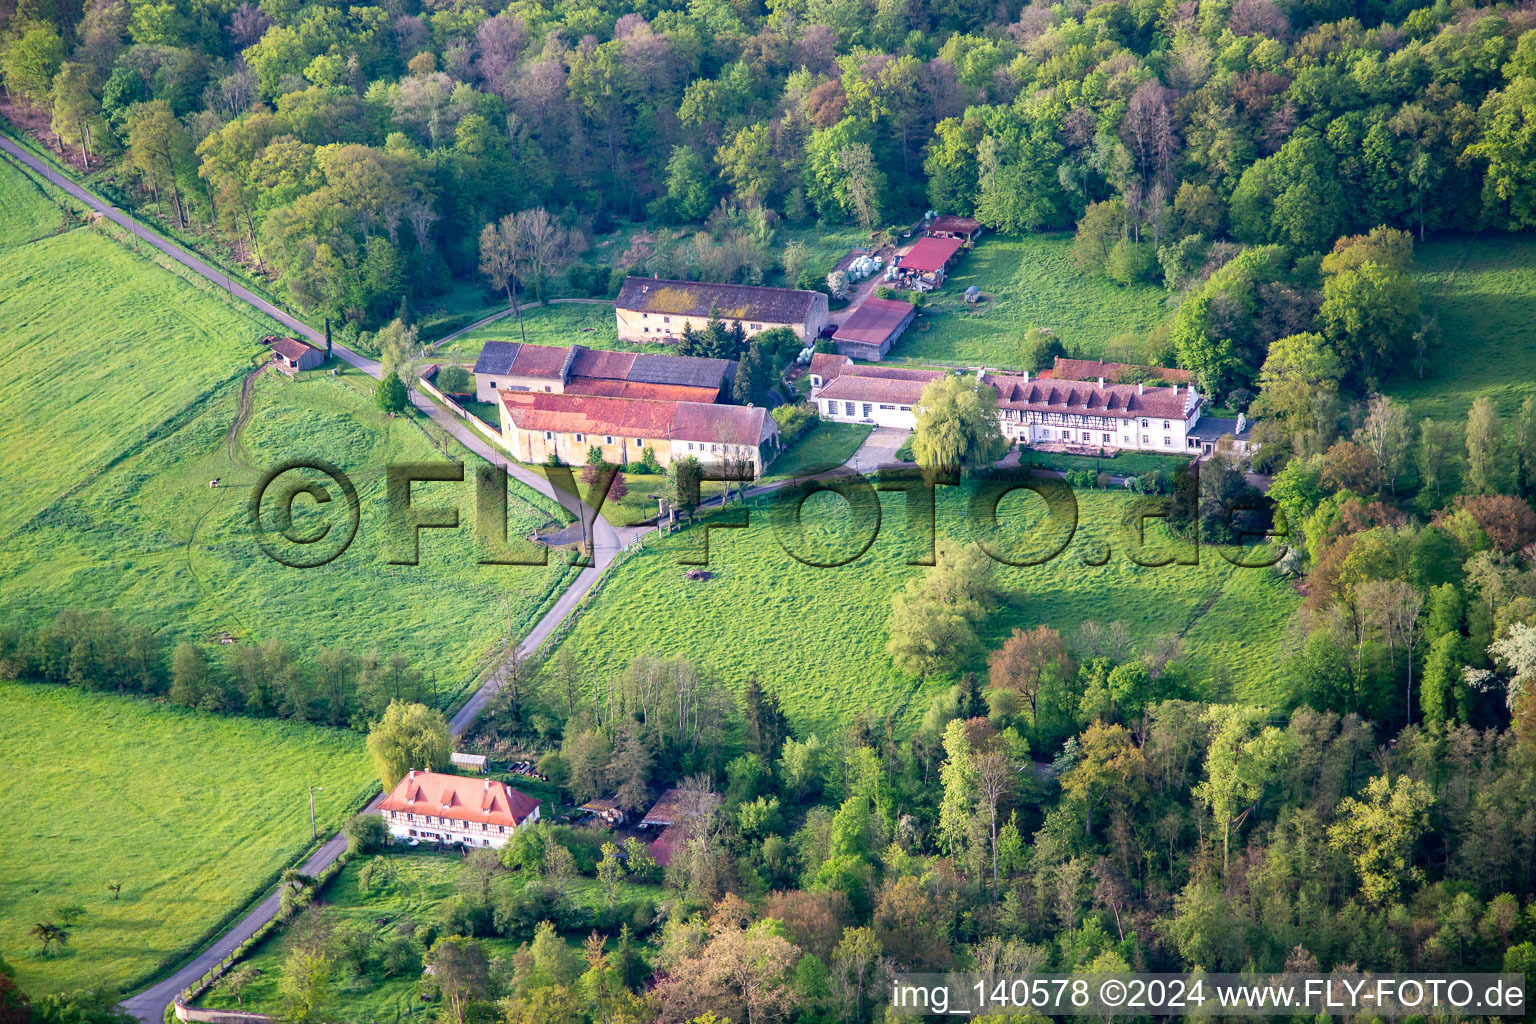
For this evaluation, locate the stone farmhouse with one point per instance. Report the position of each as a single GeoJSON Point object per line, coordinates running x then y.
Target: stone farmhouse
{"type": "Point", "coordinates": [456, 809]}
{"type": "Point", "coordinates": [652, 310]}
{"type": "Point", "coordinates": [536, 426]}
{"type": "Point", "coordinates": [1033, 411]}
{"type": "Point", "coordinates": [510, 366]}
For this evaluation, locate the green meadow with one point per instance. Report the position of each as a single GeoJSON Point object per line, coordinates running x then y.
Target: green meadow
{"type": "Point", "coordinates": [152, 540]}
{"type": "Point", "coordinates": [123, 388]}
{"type": "Point", "coordinates": [1481, 290]}
{"type": "Point", "coordinates": [817, 636]}
{"type": "Point", "coordinates": [192, 813]}
{"type": "Point", "coordinates": [25, 213]}
{"type": "Point", "coordinates": [1028, 282]}
{"type": "Point", "coordinates": [561, 323]}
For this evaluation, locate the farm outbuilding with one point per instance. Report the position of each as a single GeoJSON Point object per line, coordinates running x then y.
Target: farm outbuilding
{"type": "Point", "coordinates": [964, 228]}
{"type": "Point", "coordinates": [873, 328]}
{"type": "Point", "coordinates": [292, 355]}
{"type": "Point", "coordinates": [475, 762]}
{"type": "Point", "coordinates": [928, 261]}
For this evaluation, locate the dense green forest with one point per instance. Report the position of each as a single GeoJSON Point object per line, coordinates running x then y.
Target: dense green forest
{"type": "Point", "coordinates": [356, 152]}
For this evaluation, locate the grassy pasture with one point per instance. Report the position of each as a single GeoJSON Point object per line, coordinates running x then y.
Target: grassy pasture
{"type": "Point", "coordinates": [563, 323]}
{"type": "Point", "coordinates": [193, 813]}
{"type": "Point", "coordinates": [818, 635]}
{"type": "Point", "coordinates": [152, 540]}
{"type": "Point", "coordinates": [25, 213]}
{"type": "Point", "coordinates": [99, 352]}
{"type": "Point", "coordinates": [424, 882]}
{"type": "Point", "coordinates": [1480, 288]}
{"type": "Point", "coordinates": [1026, 282]}
{"type": "Point", "coordinates": [121, 384]}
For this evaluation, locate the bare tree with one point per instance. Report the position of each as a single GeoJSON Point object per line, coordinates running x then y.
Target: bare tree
{"type": "Point", "coordinates": [994, 779]}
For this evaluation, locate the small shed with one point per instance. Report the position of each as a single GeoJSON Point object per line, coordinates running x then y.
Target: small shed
{"type": "Point", "coordinates": [474, 761]}
{"type": "Point", "coordinates": [607, 809]}
{"type": "Point", "coordinates": [292, 355]}
{"type": "Point", "coordinates": [973, 295]}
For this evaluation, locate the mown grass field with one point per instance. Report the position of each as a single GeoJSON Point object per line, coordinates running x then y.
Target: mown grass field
{"type": "Point", "coordinates": [1026, 282]}
{"type": "Point", "coordinates": [151, 540]}
{"type": "Point", "coordinates": [100, 350]}
{"type": "Point", "coordinates": [818, 636]}
{"type": "Point", "coordinates": [1482, 290]}
{"type": "Point", "coordinates": [192, 813]}
{"type": "Point", "coordinates": [424, 881]}
{"type": "Point", "coordinates": [1122, 464]}
{"type": "Point", "coordinates": [25, 213]}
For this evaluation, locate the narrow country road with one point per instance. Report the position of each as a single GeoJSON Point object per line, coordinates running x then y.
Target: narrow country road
{"type": "Point", "coordinates": [150, 1005]}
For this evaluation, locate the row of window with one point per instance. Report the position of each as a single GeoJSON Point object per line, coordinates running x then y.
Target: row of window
{"type": "Point", "coordinates": [428, 819]}
{"type": "Point", "coordinates": [1072, 419]}
{"type": "Point", "coordinates": [668, 319]}
{"type": "Point", "coordinates": [494, 388]}
{"type": "Point", "coordinates": [1066, 435]}
{"type": "Point", "coordinates": [852, 408]}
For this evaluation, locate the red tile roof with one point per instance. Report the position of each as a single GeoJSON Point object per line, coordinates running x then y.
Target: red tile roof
{"type": "Point", "coordinates": [1093, 369]}
{"type": "Point", "coordinates": [828, 365]}
{"type": "Point", "coordinates": [602, 364]}
{"type": "Point", "coordinates": [630, 417]}
{"type": "Point", "coordinates": [893, 372]}
{"type": "Point", "coordinates": [956, 225]}
{"type": "Point", "coordinates": [852, 387]}
{"type": "Point", "coordinates": [663, 846]}
{"type": "Point", "coordinates": [640, 389]}
{"type": "Point", "coordinates": [930, 254]}
{"type": "Point", "coordinates": [583, 414]}
{"type": "Point", "coordinates": [734, 301]}
{"type": "Point", "coordinates": [292, 348]}
{"type": "Point", "coordinates": [1123, 401]}
{"type": "Point", "coordinates": [460, 798]}
{"type": "Point", "coordinates": [874, 321]}
{"type": "Point", "coordinates": [541, 361]}
{"type": "Point", "coordinates": [668, 808]}
{"type": "Point", "coordinates": [721, 424]}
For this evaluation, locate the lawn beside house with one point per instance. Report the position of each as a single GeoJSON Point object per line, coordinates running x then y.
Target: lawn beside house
{"type": "Point", "coordinates": [191, 812]}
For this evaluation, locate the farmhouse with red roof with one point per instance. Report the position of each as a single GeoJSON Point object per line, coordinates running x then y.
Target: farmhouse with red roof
{"type": "Point", "coordinates": [456, 809]}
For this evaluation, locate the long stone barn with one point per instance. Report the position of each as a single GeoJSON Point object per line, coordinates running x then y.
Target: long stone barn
{"type": "Point", "coordinates": [654, 310]}
{"type": "Point", "coordinates": [538, 425]}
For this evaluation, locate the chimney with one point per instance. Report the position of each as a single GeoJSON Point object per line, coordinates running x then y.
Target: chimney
{"type": "Point", "coordinates": [1026, 376]}
{"type": "Point", "coordinates": [1101, 382]}
{"type": "Point", "coordinates": [413, 773]}
{"type": "Point", "coordinates": [487, 783]}
{"type": "Point", "coordinates": [1141, 387]}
